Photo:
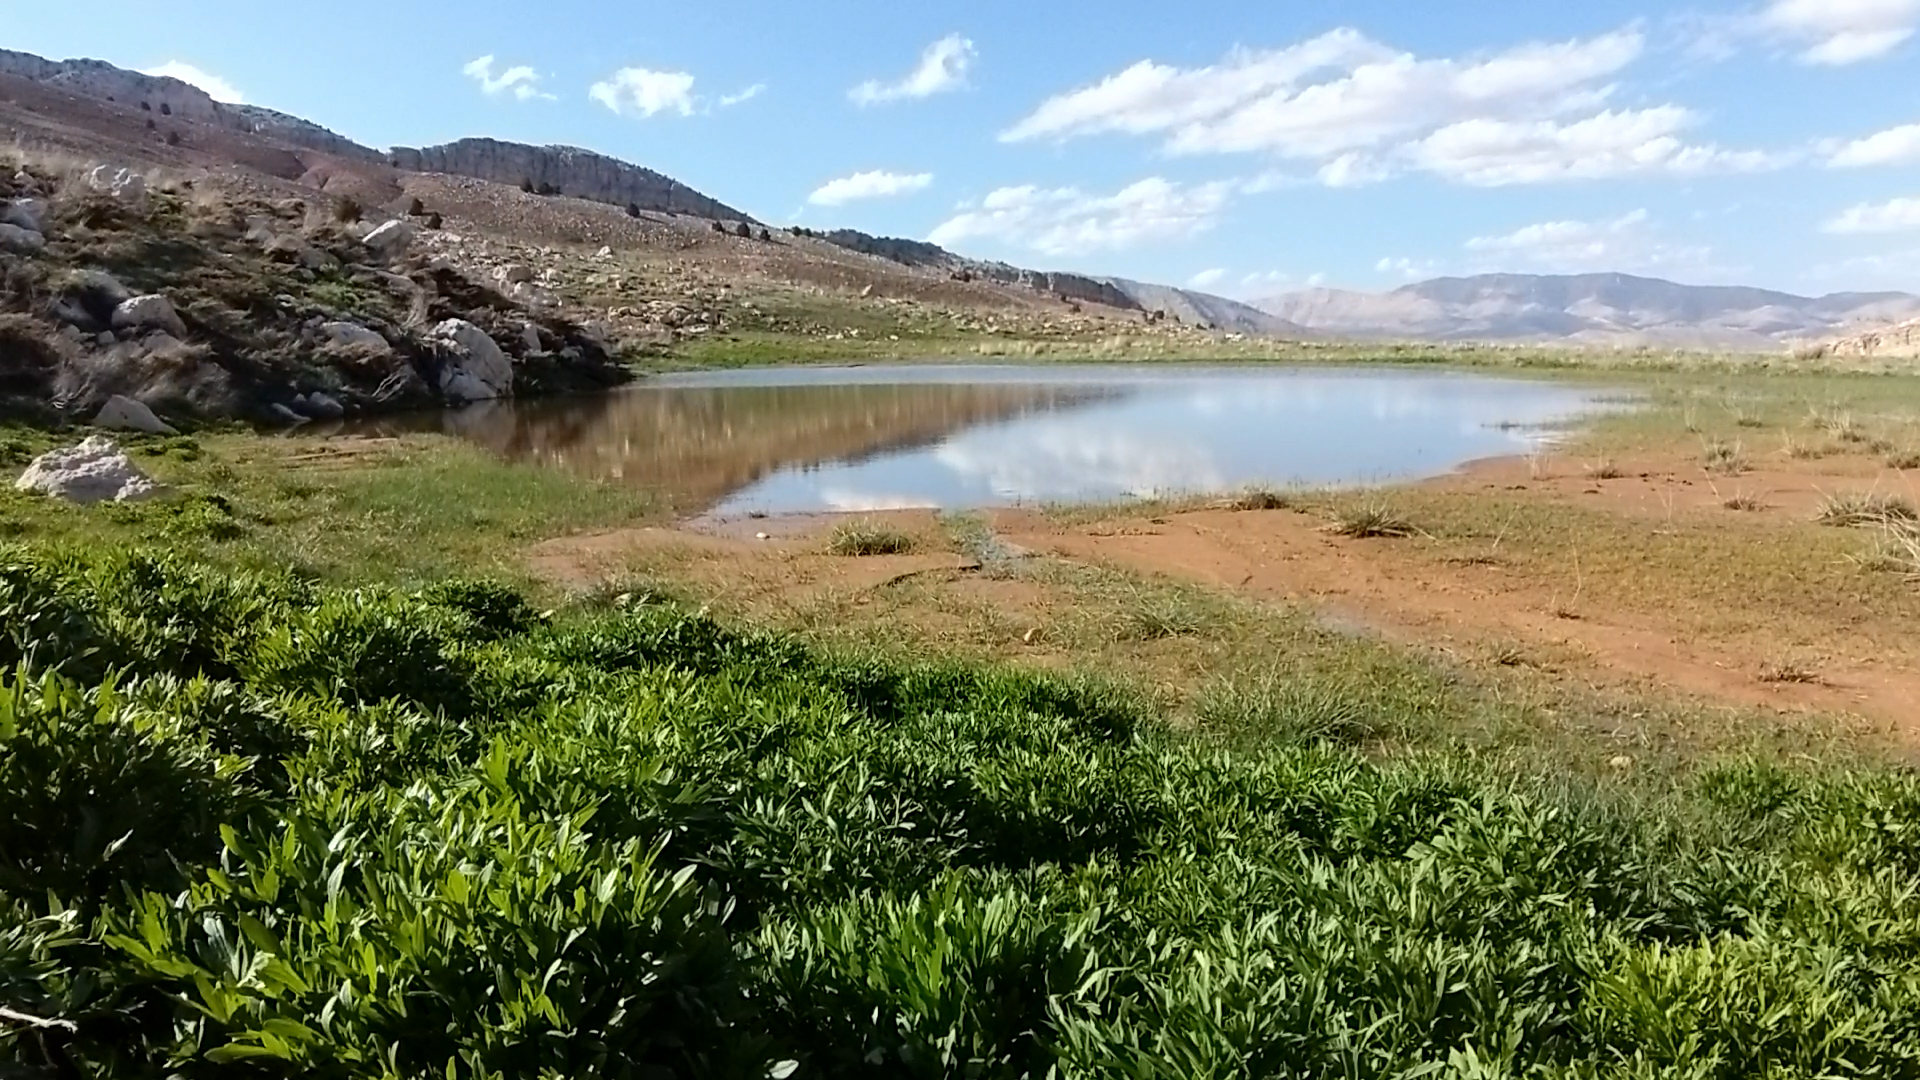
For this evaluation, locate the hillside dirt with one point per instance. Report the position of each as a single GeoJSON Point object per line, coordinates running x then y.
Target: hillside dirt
{"type": "Point", "coordinates": [1677, 610]}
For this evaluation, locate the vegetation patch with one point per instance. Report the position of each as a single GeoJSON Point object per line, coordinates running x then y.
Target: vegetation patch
{"type": "Point", "coordinates": [861, 538]}
{"type": "Point", "coordinates": [1858, 509]}
{"type": "Point", "coordinates": [1371, 519]}
{"type": "Point", "coordinates": [258, 824]}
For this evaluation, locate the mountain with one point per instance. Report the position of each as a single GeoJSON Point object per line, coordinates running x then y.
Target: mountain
{"type": "Point", "coordinates": [1206, 309]}
{"type": "Point", "coordinates": [1601, 309]}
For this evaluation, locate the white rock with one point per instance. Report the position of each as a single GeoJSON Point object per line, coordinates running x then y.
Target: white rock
{"type": "Point", "coordinates": [325, 406]}
{"type": "Point", "coordinates": [604, 253]}
{"type": "Point", "coordinates": [346, 333]}
{"type": "Point", "coordinates": [390, 239]}
{"type": "Point", "coordinates": [122, 413]}
{"type": "Point", "coordinates": [28, 214]}
{"type": "Point", "coordinates": [123, 184]}
{"type": "Point", "coordinates": [15, 238]}
{"type": "Point", "coordinates": [513, 274]}
{"type": "Point", "coordinates": [94, 471]}
{"type": "Point", "coordinates": [472, 365]}
{"type": "Point", "coordinates": [150, 312]}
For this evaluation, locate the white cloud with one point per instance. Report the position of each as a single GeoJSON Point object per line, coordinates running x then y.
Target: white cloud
{"type": "Point", "coordinates": [1207, 279]}
{"type": "Point", "coordinates": [1631, 242]}
{"type": "Point", "coordinates": [216, 87]}
{"type": "Point", "coordinates": [1894, 271]}
{"type": "Point", "coordinates": [1494, 153]}
{"type": "Point", "coordinates": [1897, 215]}
{"type": "Point", "coordinates": [1362, 111]}
{"type": "Point", "coordinates": [645, 93]}
{"type": "Point", "coordinates": [1067, 221]}
{"type": "Point", "coordinates": [1837, 32]}
{"type": "Point", "coordinates": [1401, 266]}
{"type": "Point", "coordinates": [1893, 146]}
{"type": "Point", "coordinates": [943, 67]}
{"type": "Point", "coordinates": [728, 101]}
{"type": "Point", "coordinates": [1270, 281]}
{"type": "Point", "coordinates": [869, 185]}
{"type": "Point", "coordinates": [521, 81]}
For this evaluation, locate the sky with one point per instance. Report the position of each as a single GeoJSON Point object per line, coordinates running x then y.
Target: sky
{"type": "Point", "coordinates": [1246, 149]}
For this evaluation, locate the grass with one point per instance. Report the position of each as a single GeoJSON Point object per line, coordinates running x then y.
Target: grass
{"type": "Point", "coordinates": [1903, 460]}
{"type": "Point", "coordinates": [1788, 672]}
{"type": "Point", "coordinates": [1259, 499]}
{"type": "Point", "coordinates": [320, 827]}
{"type": "Point", "coordinates": [1857, 509]}
{"type": "Point", "coordinates": [1605, 469]}
{"type": "Point", "coordinates": [1371, 519]}
{"type": "Point", "coordinates": [863, 538]}
{"type": "Point", "coordinates": [1723, 457]}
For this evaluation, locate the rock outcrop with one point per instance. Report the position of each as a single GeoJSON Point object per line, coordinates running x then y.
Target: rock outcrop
{"type": "Point", "coordinates": [1076, 287]}
{"type": "Point", "coordinates": [1893, 341]}
{"type": "Point", "coordinates": [566, 170]}
{"type": "Point", "coordinates": [122, 413]}
{"type": "Point", "coordinates": [97, 78]}
{"type": "Point", "coordinates": [473, 367]}
{"type": "Point", "coordinates": [94, 471]}
{"type": "Point", "coordinates": [151, 312]}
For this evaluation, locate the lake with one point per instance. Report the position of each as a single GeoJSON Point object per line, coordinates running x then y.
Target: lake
{"type": "Point", "coordinates": [872, 438]}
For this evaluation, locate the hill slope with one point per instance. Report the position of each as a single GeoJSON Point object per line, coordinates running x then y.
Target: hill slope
{"type": "Point", "coordinates": [1590, 308]}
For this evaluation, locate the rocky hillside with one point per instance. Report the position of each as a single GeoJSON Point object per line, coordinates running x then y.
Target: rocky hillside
{"type": "Point", "coordinates": [1205, 309]}
{"type": "Point", "coordinates": [1602, 309]}
{"type": "Point", "coordinates": [1898, 341]}
{"type": "Point", "coordinates": [564, 170]}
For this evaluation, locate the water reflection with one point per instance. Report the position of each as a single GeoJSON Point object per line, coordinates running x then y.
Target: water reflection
{"type": "Point", "coordinates": [881, 438]}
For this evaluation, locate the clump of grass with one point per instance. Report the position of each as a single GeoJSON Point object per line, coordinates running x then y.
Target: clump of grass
{"type": "Point", "coordinates": [1840, 425]}
{"type": "Point", "coordinates": [1293, 710]}
{"type": "Point", "coordinates": [1802, 450]}
{"type": "Point", "coordinates": [1605, 469]}
{"type": "Point", "coordinates": [1370, 520]}
{"type": "Point", "coordinates": [1723, 457]}
{"type": "Point", "coordinates": [1259, 498]}
{"type": "Point", "coordinates": [1744, 501]}
{"type": "Point", "coordinates": [1903, 460]}
{"type": "Point", "coordinates": [1788, 672]}
{"type": "Point", "coordinates": [861, 538]}
{"type": "Point", "coordinates": [1158, 616]}
{"type": "Point", "coordinates": [1865, 509]}
{"type": "Point", "coordinates": [1746, 416]}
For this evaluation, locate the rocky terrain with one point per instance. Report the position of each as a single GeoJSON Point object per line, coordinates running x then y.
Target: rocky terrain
{"type": "Point", "coordinates": [1902, 340]}
{"type": "Point", "coordinates": [1598, 309]}
{"type": "Point", "coordinates": [564, 170]}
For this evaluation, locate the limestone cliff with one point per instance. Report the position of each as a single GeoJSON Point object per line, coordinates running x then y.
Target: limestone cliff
{"type": "Point", "coordinates": [96, 78]}
{"type": "Point", "coordinates": [1079, 287]}
{"type": "Point", "coordinates": [579, 173]}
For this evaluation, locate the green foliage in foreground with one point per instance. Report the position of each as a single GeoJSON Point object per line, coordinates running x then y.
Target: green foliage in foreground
{"type": "Point", "coordinates": [256, 827]}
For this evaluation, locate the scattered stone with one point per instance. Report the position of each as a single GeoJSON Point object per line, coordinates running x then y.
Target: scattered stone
{"type": "Point", "coordinates": [94, 471]}
{"type": "Point", "coordinates": [513, 274]}
{"type": "Point", "coordinates": [604, 253]}
{"type": "Point", "coordinates": [150, 312]}
{"type": "Point", "coordinates": [123, 184]}
{"type": "Point", "coordinates": [347, 333]}
{"type": "Point", "coordinates": [472, 365]}
{"type": "Point", "coordinates": [122, 413]}
{"type": "Point", "coordinates": [28, 214]}
{"type": "Point", "coordinates": [319, 260]}
{"type": "Point", "coordinates": [391, 239]}
{"type": "Point", "coordinates": [866, 292]}
{"type": "Point", "coordinates": [16, 239]}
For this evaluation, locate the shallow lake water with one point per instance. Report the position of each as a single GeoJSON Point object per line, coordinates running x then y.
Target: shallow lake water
{"type": "Point", "coordinates": [872, 438]}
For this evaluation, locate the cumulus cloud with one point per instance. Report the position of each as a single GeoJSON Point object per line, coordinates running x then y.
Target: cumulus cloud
{"type": "Point", "coordinates": [878, 184]}
{"type": "Point", "coordinates": [1894, 146]}
{"type": "Point", "coordinates": [216, 87]}
{"type": "Point", "coordinates": [1839, 32]}
{"type": "Point", "coordinates": [1068, 221]}
{"type": "Point", "coordinates": [1401, 266]}
{"type": "Point", "coordinates": [1632, 241]}
{"type": "Point", "coordinates": [728, 101]}
{"type": "Point", "coordinates": [1896, 215]}
{"type": "Point", "coordinates": [943, 67]}
{"type": "Point", "coordinates": [643, 92]}
{"type": "Point", "coordinates": [1363, 111]}
{"type": "Point", "coordinates": [521, 81]}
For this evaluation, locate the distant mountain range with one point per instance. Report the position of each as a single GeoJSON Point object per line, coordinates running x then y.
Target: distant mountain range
{"type": "Point", "coordinates": [1598, 309]}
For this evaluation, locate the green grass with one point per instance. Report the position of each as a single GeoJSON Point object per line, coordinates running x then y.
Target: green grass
{"type": "Point", "coordinates": [320, 831]}
{"type": "Point", "coordinates": [863, 538]}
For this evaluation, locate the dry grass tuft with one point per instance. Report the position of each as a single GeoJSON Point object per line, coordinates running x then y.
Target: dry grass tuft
{"type": "Point", "coordinates": [1723, 457]}
{"type": "Point", "coordinates": [1605, 469]}
{"type": "Point", "coordinates": [1370, 520]}
{"type": "Point", "coordinates": [1787, 672]}
{"type": "Point", "coordinates": [1258, 498]}
{"type": "Point", "coordinates": [861, 538]}
{"type": "Point", "coordinates": [1866, 509]}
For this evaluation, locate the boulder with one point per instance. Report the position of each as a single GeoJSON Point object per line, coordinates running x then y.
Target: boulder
{"type": "Point", "coordinates": [94, 471]}
{"type": "Point", "coordinates": [347, 333]}
{"type": "Point", "coordinates": [530, 336]}
{"type": "Point", "coordinates": [391, 239]}
{"type": "Point", "coordinates": [150, 312]}
{"type": "Point", "coordinates": [28, 214]}
{"type": "Point", "coordinates": [319, 260]}
{"type": "Point", "coordinates": [472, 365]}
{"type": "Point", "coordinates": [123, 184]}
{"type": "Point", "coordinates": [285, 415]}
{"type": "Point", "coordinates": [87, 300]}
{"type": "Point", "coordinates": [513, 274]}
{"type": "Point", "coordinates": [16, 239]}
{"type": "Point", "coordinates": [122, 413]}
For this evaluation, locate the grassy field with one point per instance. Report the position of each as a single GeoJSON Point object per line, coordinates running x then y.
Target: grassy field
{"type": "Point", "coordinates": [318, 776]}
{"type": "Point", "coordinates": [367, 832]}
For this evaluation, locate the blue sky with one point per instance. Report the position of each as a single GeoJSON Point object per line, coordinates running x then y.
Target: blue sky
{"type": "Point", "coordinates": [1247, 148]}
